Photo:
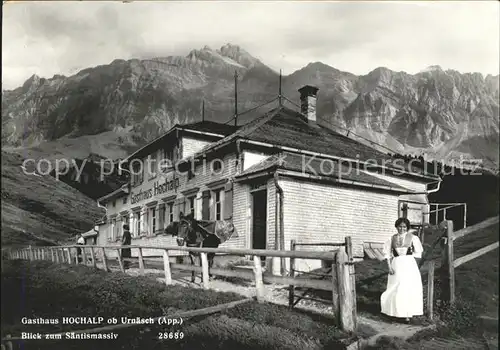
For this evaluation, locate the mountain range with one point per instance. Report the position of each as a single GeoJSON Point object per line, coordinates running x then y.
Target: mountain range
{"type": "Point", "coordinates": [112, 109]}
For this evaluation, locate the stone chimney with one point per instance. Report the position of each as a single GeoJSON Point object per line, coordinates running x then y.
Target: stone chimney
{"type": "Point", "coordinates": [308, 102]}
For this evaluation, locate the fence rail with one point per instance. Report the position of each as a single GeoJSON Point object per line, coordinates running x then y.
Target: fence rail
{"type": "Point", "coordinates": [340, 282]}
{"type": "Point", "coordinates": [449, 261]}
{"type": "Point", "coordinates": [294, 299]}
{"type": "Point", "coordinates": [444, 208]}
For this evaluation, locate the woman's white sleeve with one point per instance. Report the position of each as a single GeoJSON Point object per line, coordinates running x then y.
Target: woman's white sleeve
{"type": "Point", "coordinates": [417, 247]}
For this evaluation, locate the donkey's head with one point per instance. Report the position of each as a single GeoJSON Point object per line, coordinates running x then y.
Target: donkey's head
{"type": "Point", "coordinates": [188, 230]}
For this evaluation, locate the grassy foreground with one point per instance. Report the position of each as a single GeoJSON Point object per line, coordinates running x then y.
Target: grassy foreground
{"type": "Point", "coordinates": [42, 289]}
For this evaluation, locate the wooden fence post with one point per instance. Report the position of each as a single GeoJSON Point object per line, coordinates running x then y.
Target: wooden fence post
{"type": "Point", "coordinates": [141, 261]}
{"type": "Point", "coordinates": [92, 255]}
{"type": "Point", "coordinates": [430, 290]}
{"type": "Point", "coordinates": [335, 289]}
{"type": "Point", "coordinates": [465, 215]}
{"type": "Point", "coordinates": [291, 288]}
{"type": "Point", "coordinates": [104, 260]}
{"type": "Point", "coordinates": [68, 254]}
{"type": "Point", "coordinates": [346, 302]}
{"type": "Point", "coordinates": [350, 258]}
{"type": "Point", "coordinates": [120, 261]}
{"type": "Point", "coordinates": [31, 253]}
{"type": "Point", "coordinates": [259, 284]}
{"type": "Point", "coordinates": [52, 255]}
{"type": "Point", "coordinates": [448, 269]}
{"type": "Point", "coordinates": [166, 268]}
{"type": "Point", "coordinates": [84, 256]}
{"type": "Point", "coordinates": [204, 270]}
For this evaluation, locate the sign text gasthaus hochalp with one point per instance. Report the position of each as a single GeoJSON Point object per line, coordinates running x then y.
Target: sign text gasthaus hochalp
{"type": "Point", "coordinates": [158, 188]}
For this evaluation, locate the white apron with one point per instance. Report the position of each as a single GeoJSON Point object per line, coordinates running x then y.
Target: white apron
{"type": "Point", "coordinates": [403, 296]}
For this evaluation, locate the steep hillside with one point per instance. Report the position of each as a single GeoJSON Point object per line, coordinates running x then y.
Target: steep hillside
{"type": "Point", "coordinates": [39, 209]}
{"type": "Point", "coordinates": [442, 113]}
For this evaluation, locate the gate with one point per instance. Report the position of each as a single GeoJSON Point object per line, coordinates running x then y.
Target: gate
{"type": "Point", "coordinates": [331, 273]}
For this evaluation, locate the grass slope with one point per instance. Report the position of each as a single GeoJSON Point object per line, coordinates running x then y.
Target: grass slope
{"type": "Point", "coordinates": [46, 290]}
{"type": "Point", "coordinates": [111, 144]}
{"type": "Point", "coordinates": [41, 210]}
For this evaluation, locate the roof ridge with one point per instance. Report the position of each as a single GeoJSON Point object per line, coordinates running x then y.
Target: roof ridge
{"type": "Point", "coordinates": [258, 122]}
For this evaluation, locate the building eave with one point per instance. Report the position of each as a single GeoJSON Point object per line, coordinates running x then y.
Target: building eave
{"type": "Point", "coordinates": [115, 194]}
{"type": "Point", "coordinates": [290, 173]}
{"type": "Point", "coordinates": [342, 181]}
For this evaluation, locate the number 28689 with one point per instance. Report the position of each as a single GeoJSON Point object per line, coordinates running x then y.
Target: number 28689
{"type": "Point", "coordinates": [170, 335]}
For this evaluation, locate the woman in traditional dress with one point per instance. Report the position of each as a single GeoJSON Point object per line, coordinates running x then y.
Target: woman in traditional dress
{"type": "Point", "coordinates": [403, 297]}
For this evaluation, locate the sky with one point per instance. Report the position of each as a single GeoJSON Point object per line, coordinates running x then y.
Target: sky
{"type": "Point", "coordinates": [63, 37]}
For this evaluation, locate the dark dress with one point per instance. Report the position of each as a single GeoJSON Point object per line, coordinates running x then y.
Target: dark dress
{"type": "Point", "coordinates": [127, 239]}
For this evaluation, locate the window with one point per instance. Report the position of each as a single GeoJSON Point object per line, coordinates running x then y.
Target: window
{"type": "Point", "coordinates": [163, 216]}
{"type": "Point", "coordinates": [137, 172]}
{"type": "Point", "coordinates": [192, 205]}
{"type": "Point", "coordinates": [170, 207]}
{"type": "Point", "coordinates": [168, 154]}
{"type": "Point", "coordinates": [168, 162]}
{"type": "Point", "coordinates": [218, 204]}
{"type": "Point", "coordinates": [138, 223]}
{"type": "Point", "coordinates": [152, 212]}
{"type": "Point", "coordinates": [152, 161]}
{"type": "Point", "coordinates": [217, 165]}
{"type": "Point", "coordinates": [125, 200]}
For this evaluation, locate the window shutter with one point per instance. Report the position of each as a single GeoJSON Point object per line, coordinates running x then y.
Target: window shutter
{"type": "Point", "coordinates": [228, 201]}
{"type": "Point", "coordinates": [178, 207]}
{"type": "Point", "coordinates": [205, 205]}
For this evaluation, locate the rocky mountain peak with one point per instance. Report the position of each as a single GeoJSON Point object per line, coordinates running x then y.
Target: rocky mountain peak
{"type": "Point", "coordinates": [207, 56]}
{"type": "Point", "coordinates": [33, 82]}
{"type": "Point", "coordinates": [239, 55]}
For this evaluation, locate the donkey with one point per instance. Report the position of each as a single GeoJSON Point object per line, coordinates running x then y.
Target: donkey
{"type": "Point", "coordinates": [196, 234]}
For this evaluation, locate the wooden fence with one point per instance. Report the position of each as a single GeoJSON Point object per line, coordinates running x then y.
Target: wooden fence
{"type": "Point", "coordinates": [450, 263]}
{"type": "Point", "coordinates": [340, 277]}
{"type": "Point", "coordinates": [340, 284]}
{"type": "Point", "coordinates": [443, 208]}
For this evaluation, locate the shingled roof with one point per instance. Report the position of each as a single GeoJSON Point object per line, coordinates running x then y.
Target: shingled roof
{"type": "Point", "coordinates": [283, 126]}
{"type": "Point", "coordinates": [324, 168]}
